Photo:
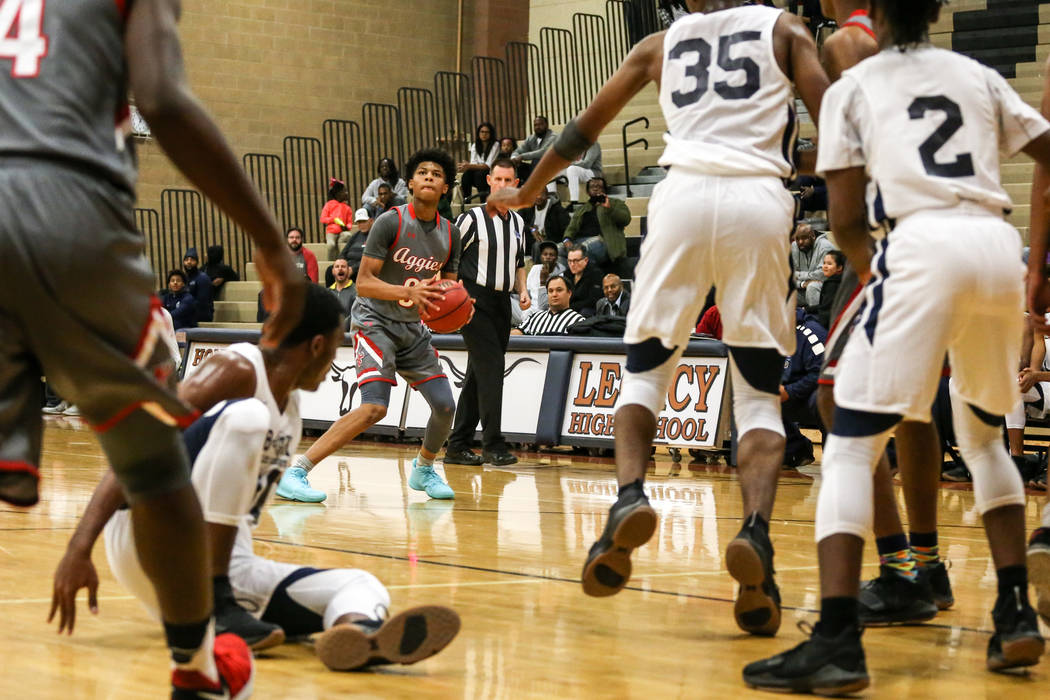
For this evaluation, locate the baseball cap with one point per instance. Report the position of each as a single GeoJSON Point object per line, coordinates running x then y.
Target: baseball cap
{"type": "Point", "coordinates": [361, 215]}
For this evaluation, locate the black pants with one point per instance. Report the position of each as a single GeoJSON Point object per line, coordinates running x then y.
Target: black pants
{"type": "Point", "coordinates": [795, 411]}
{"type": "Point", "coordinates": [486, 337]}
{"type": "Point", "coordinates": [474, 179]}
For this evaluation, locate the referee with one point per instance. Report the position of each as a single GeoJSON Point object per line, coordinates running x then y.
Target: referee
{"type": "Point", "coordinates": [492, 266]}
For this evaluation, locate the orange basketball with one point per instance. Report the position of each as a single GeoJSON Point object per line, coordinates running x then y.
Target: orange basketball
{"type": "Point", "coordinates": [453, 310]}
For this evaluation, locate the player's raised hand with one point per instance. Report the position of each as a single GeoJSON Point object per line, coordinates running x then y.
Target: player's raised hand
{"type": "Point", "coordinates": [74, 572]}
{"type": "Point", "coordinates": [284, 294]}
{"type": "Point", "coordinates": [425, 294]}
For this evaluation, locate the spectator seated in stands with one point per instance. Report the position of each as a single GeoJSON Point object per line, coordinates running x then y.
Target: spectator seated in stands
{"type": "Point", "coordinates": [532, 149]}
{"type": "Point", "coordinates": [558, 317]}
{"type": "Point", "coordinates": [710, 324]}
{"type": "Point", "coordinates": [807, 258]}
{"type": "Point", "coordinates": [834, 261]}
{"type": "Point", "coordinates": [810, 11]}
{"type": "Point", "coordinates": [199, 285]}
{"type": "Point", "coordinates": [812, 194]}
{"type": "Point", "coordinates": [599, 225]}
{"type": "Point", "coordinates": [483, 151]}
{"type": "Point", "coordinates": [388, 174]}
{"type": "Point", "coordinates": [586, 281]}
{"type": "Point", "coordinates": [798, 390]}
{"type": "Point", "coordinates": [547, 219]}
{"type": "Point", "coordinates": [218, 271]}
{"type": "Point", "coordinates": [587, 167]}
{"type": "Point", "coordinates": [616, 301]}
{"type": "Point", "coordinates": [1034, 383]}
{"type": "Point", "coordinates": [536, 281]}
{"type": "Point", "coordinates": [507, 147]}
{"type": "Point", "coordinates": [343, 287]}
{"type": "Point", "coordinates": [385, 201]}
{"type": "Point", "coordinates": [337, 217]}
{"type": "Point", "coordinates": [305, 260]}
{"type": "Point", "coordinates": [355, 247]}
{"type": "Point", "coordinates": [179, 302]}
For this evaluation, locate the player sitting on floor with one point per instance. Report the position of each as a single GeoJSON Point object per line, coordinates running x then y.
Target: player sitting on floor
{"type": "Point", "coordinates": [409, 248]}
{"type": "Point", "coordinates": [239, 448]}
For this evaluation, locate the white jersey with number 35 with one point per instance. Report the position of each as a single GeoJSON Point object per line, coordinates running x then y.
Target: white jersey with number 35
{"type": "Point", "coordinates": [928, 125]}
{"type": "Point", "coordinates": [728, 106]}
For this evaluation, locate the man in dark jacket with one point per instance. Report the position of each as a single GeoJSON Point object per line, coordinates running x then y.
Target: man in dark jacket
{"type": "Point", "coordinates": [198, 284]}
{"type": "Point", "coordinates": [218, 271]}
{"type": "Point", "coordinates": [546, 219]}
{"type": "Point", "coordinates": [179, 302]}
{"type": "Point", "coordinates": [798, 389]}
{"type": "Point", "coordinates": [586, 282]}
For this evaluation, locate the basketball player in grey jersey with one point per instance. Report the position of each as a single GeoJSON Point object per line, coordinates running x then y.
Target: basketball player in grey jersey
{"type": "Point", "coordinates": [75, 286]}
{"type": "Point", "coordinates": [409, 249]}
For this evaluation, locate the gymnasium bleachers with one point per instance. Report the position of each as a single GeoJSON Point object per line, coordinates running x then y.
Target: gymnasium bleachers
{"type": "Point", "coordinates": [1013, 36]}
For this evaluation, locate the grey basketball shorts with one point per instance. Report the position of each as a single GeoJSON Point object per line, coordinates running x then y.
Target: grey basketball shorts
{"type": "Point", "coordinates": [76, 306]}
{"type": "Point", "coordinates": [384, 348]}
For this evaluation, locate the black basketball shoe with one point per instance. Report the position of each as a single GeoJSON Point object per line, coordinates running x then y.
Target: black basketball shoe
{"type": "Point", "coordinates": [892, 599]}
{"type": "Point", "coordinates": [749, 559]}
{"type": "Point", "coordinates": [1016, 642]}
{"type": "Point", "coordinates": [410, 636]}
{"type": "Point", "coordinates": [936, 577]}
{"type": "Point", "coordinates": [231, 617]}
{"type": "Point", "coordinates": [1039, 570]}
{"type": "Point", "coordinates": [632, 522]}
{"type": "Point", "coordinates": [823, 665]}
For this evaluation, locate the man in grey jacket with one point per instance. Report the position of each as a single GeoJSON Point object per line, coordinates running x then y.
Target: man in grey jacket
{"type": "Point", "coordinates": [588, 166]}
{"type": "Point", "coordinates": [807, 254]}
{"type": "Point", "coordinates": [532, 149]}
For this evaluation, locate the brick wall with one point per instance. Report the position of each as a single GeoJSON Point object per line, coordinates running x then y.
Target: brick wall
{"type": "Point", "coordinates": [488, 26]}
{"type": "Point", "coordinates": [271, 68]}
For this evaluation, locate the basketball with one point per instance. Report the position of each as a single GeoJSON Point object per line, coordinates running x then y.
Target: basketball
{"type": "Point", "coordinates": [453, 310]}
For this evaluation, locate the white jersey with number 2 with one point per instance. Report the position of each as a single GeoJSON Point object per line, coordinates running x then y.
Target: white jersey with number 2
{"type": "Point", "coordinates": [728, 106]}
{"type": "Point", "coordinates": [929, 126]}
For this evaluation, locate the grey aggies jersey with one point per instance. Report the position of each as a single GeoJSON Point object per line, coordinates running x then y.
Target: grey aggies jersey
{"type": "Point", "coordinates": [63, 85]}
{"type": "Point", "coordinates": [411, 250]}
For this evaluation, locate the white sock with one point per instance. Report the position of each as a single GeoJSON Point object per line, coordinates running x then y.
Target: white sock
{"type": "Point", "coordinates": [1046, 514]}
{"type": "Point", "coordinates": [304, 462]}
{"type": "Point", "coordinates": [422, 461]}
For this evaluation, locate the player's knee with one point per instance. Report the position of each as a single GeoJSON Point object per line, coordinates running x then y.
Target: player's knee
{"type": "Point", "coordinates": [373, 412]}
{"type": "Point", "coordinates": [359, 593]}
{"type": "Point", "coordinates": [755, 376]}
{"type": "Point", "coordinates": [649, 369]}
{"type": "Point", "coordinates": [147, 456]}
{"type": "Point", "coordinates": [996, 481]}
{"type": "Point", "coordinates": [248, 418]}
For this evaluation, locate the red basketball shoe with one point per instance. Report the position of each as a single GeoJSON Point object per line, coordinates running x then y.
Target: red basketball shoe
{"type": "Point", "coordinates": [236, 674]}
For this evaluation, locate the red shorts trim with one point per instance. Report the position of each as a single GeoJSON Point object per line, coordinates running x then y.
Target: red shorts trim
{"type": "Point", "coordinates": [835, 323]}
{"type": "Point", "coordinates": [377, 379]}
{"type": "Point", "coordinates": [183, 421]}
{"type": "Point", "coordinates": [423, 381]}
{"type": "Point", "coordinates": [826, 382]}
{"type": "Point", "coordinates": [24, 467]}
{"type": "Point", "coordinates": [375, 348]}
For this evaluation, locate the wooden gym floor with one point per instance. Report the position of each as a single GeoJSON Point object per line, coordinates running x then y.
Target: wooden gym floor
{"type": "Point", "coordinates": [507, 555]}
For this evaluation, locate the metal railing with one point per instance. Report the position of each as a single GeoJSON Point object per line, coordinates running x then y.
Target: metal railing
{"type": "Point", "coordinates": [626, 145]}
{"type": "Point", "coordinates": [303, 156]}
{"type": "Point", "coordinates": [381, 136]}
{"type": "Point", "coordinates": [343, 156]}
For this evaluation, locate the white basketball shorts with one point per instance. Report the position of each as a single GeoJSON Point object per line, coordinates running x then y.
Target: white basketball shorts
{"type": "Point", "coordinates": [730, 232]}
{"type": "Point", "coordinates": [942, 281]}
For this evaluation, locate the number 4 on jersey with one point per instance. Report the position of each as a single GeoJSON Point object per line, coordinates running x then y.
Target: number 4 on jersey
{"type": "Point", "coordinates": [21, 36]}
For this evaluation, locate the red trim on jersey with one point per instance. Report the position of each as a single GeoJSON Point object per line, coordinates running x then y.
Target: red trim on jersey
{"type": "Point", "coordinates": [154, 307]}
{"type": "Point", "coordinates": [423, 381]}
{"type": "Point", "coordinates": [849, 301]}
{"type": "Point", "coordinates": [398, 236]}
{"type": "Point", "coordinates": [850, 23]}
{"type": "Point", "coordinates": [411, 210]}
{"type": "Point", "coordinates": [826, 382]}
{"type": "Point", "coordinates": [123, 7]}
{"type": "Point", "coordinates": [183, 421]}
{"type": "Point", "coordinates": [377, 379]}
{"type": "Point", "coordinates": [23, 467]}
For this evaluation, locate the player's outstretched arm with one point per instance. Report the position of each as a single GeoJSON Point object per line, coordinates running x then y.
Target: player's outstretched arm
{"type": "Point", "coordinates": [1039, 227]}
{"type": "Point", "coordinates": [847, 210]}
{"type": "Point", "coordinates": [642, 66]}
{"type": "Point", "coordinates": [76, 571]}
{"type": "Point", "coordinates": [222, 377]}
{"type": "Point", "coordinates": [197, 148]}
{"type": "Point", "coordinates": [802, 62]}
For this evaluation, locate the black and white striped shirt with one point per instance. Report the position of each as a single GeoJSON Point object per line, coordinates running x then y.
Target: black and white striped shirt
{"type": "Point", "coordinates": [551, 322]}
{"type": "Point", "coordinates": [493, 248]}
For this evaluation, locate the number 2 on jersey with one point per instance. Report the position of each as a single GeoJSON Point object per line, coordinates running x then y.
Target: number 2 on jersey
{"type": "Point", "coordinates": [701, 69]}
{"type": "Point", "coordinates": [962, 166]}
{"type": "Point", "coordinates": [22, 36]}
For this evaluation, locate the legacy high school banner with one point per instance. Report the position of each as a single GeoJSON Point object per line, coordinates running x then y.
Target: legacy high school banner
{"type": "Point", "coordinates": [689, 419]}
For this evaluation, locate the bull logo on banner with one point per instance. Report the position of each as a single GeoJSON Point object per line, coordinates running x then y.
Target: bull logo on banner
{"type": "Point", "coordinates": [461, 375]}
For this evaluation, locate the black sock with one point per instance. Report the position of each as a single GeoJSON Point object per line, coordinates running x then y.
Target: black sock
{"type": "Point", "coordinates": [185, 640]}
{"type": "Point", "coordinates": [756, 520]}
{"type": "Point", "coordinates": [1011, 579]}
{"type": "Point", "coordinates": [633, 488]}
{"type": "Point", "coordinates": [222, 591]}
{"type": "Point", "coordinates": [837, 614]}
